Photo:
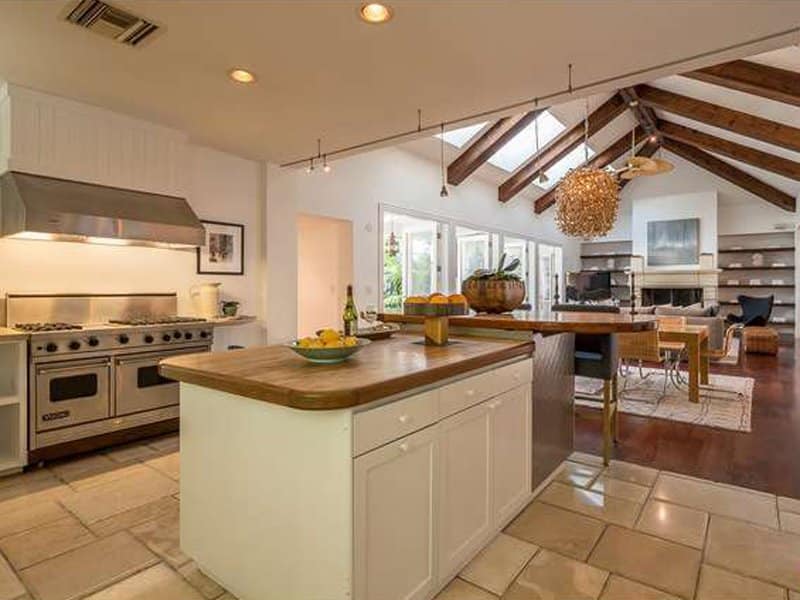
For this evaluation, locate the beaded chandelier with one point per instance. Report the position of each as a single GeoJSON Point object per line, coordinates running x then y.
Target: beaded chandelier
{"type": "Point", "coordinates": [586, 203]}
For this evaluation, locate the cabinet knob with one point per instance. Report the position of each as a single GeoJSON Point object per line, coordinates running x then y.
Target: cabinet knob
{"type": "Point", "coordinates": [404, 419]}
{"type": "Point", "coordinates": [403, 447]}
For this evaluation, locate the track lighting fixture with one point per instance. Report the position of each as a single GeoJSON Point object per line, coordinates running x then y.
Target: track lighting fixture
{"type": "Point", "coordinates": [310, 167]}
{"type": "Point", "coordinates": [326, 168]}
{"type": "Point", "coordinates": [543, 179]}
{"type": "Point", "coordinates": [443, 192]}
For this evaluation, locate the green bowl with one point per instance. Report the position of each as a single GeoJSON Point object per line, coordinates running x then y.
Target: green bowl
{"type": "Point", "coordinates": [328, 356]}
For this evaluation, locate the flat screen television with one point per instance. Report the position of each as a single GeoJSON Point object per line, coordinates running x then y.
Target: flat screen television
{"type": "Point", "coordinates": [588, 286]}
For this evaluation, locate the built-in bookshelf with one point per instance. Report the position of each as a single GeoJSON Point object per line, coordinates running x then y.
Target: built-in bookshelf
{"type": "Point", "coordinates": [759, 264]}
{"type": "Point", "coordinates": [614, 257]}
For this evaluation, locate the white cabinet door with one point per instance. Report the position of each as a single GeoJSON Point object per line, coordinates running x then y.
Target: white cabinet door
{"type": "Point", "coordinates": [465, 518]}
{"type": "Point", "coordinates": [510, 452]}
{"type": "Point", "coordinates": [394, 512]}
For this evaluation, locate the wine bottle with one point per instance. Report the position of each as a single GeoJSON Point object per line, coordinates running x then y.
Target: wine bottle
{"type": "Point", "coordinates": [350, 315]}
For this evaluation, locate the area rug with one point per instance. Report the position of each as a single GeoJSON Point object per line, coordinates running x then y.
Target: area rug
{"type": "Point", "coordinates": [720, 409]}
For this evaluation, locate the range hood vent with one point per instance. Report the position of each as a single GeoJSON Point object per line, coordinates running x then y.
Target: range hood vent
{"type": "Point", "coordinates": [38, 207]}
{"type": "Point", "coordinates": [114, 23]}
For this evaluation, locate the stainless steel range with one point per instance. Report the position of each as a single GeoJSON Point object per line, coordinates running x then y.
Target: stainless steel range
{"type": "Point", "coordinates": [94, 363]}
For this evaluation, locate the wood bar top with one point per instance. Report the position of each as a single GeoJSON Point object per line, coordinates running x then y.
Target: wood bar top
{"type": "Point", "coordinates": [543, 321]}
{"type": "Point", "coordinates": [276, 374]}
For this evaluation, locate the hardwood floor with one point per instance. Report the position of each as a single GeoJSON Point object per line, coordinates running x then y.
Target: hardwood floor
{"type": "Point", "coordinates": [767, 459]}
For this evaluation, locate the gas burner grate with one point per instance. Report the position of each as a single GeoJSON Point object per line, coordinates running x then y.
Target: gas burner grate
{"type": "Point", "coordinates": [37, 327]}
{"type": "Point", "coordinates": [156, 321]}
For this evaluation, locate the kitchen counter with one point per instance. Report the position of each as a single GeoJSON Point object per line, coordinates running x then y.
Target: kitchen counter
{"type": "Point", "coordinates": [12, 335]}
{"type": "Point", "coordinates": [277, 375]}
{"type": "Point", "coordinates": [543, 321]}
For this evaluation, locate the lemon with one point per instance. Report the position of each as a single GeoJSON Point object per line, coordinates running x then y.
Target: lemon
{"type": "Point", "coordinates": [329, 335]}
{"type": "Point", "coordinates": [350, 341]}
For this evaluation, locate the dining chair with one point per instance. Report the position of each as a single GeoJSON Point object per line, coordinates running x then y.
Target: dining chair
{"type": "Point", "coordinates": [676, 351]}
{"type": "Point", "coordinates": [640, 348]}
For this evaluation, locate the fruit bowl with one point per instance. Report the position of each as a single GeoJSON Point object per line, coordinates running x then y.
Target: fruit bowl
{"type": "Point", "coordinates": [328, 356]}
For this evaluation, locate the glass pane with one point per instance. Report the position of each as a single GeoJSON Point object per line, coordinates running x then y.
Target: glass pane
{"type": "Point", "coordinates": [473, 251]}
{"type": "Point", "coordinates": [516, 248]}
{"type": "Point", "coordinates": [149, 377]}
{"type": "Point", "coordinates": [410, 258]}
{"type": "Point", "coordinates": [73, 387]}
{"type": "Point", "coordinates": [523, 145]}
{"type": "Point", "coordinates": [459, 137]}
{"type": "Point", "coordinates": [550, 265]}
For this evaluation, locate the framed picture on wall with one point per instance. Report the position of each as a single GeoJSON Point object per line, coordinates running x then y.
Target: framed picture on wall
{"type": "Point", "coordinates": [223, 253]}
{"type": "Point", "coordinates": [673, 243]}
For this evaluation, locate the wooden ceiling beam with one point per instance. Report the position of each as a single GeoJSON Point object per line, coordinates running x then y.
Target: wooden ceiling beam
{"type": "Point", "coordinates": [489, 142]}
{"type": "Point", "coordinates": [599, 161]}
{"type": "Point", "coordinates": [742, 123]}
{"type": "Point", "coordinates": [746, 154]}
{"type": "Point", "coordinates": [644, 115]}
{"type": "Point", "coordinates": [559, 148]}
{"type": "Point", "coordinates": [768, 82]}
{"type": "Point", "coordinates": [720, 168]}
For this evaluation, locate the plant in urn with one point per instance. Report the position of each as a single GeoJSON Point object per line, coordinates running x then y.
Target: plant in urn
{"type": "Point", "coordinates": [498, 291]}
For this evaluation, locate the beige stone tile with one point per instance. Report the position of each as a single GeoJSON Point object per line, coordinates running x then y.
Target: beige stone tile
{"type": "Point", "coordinates": [141, 486]}
{"type": "Point", "coordinates": [26, 478]}
{"type": "Point", "coordinates": [131, 453]}
{"type": "Point", "coordinates": [577, 474]}
{"type": "Point", "coordinates": [207, 587]}
{"type": "Point", "coordinates": [718, 584]}
{"type": "Point", "coordinates": [156, 583]}
{"type": "Point", "coordinates": [10, 585]}
{"type": "Point", "coordinates": [75, 471]}
{"type": "Point", "coordinates": [619, 588]}
{"type": "Point", "coordinates": [790, 522]}
{"type": "Point", "coordinates": [458, 589]}
{"type": "Point", "coordinates": [130, 518]}
{"type": "Point", "coordinates": [794, 595]}
{"type": "Point", "coordinates": [162, 536]}
{"type": "Point", "coordinates": [35, 545]}
{"type": "Point", "coordinates": [674, 522]}
{"type": "Point", "coordinates": [229, 596]}
{"type": "Point", "coordinates": [25, 517]}
{"type": "Point", "coordinates": [88, 568]}
{"type": "Point", "coordinates": [498, 564]}
{"type": "Point", "coordinates": [620, 489]}
{"type": "Point", "coordinates": [117, 472]}
{"type": "Point", "coordinates": [167, 443]}
{"type": "Point", "coordinates": [716, 499]}
{"type": "Point", "coordinates": [168, 464]}
{"type": "Point", "coordinates": [30, 491]}
{"type": "Point", "coordinates": [550, 576]}
{"type": "Point", "coordinates": [789, 504]}
{"type": "Point", "coordinates": [661, 564]}
{"type": "Point", "coordinates": [586, 459]}
{"type": "Point", "coordinates": [631, 473]}
{"type": "Point", "coordinates": [606, 508]}
{"type": "Point", "coordinates": [755, 551]}
{"type": "Point", "coordinates": [563, 531]}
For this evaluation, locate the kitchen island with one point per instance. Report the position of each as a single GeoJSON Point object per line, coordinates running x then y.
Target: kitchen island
{"type": "Point", "coordinates": [378, 478]}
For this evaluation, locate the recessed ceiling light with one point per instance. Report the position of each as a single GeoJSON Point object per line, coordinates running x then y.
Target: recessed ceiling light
{"type": "Point", "coordinates": [242, 76]}
{"type": "Point", "coordinates": [375, 12]}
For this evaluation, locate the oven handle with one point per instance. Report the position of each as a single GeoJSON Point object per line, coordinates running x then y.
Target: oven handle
{"type": "Point", "coordinates": [160, 356]}
{"type": "Point", "coordinates": [73, 367]}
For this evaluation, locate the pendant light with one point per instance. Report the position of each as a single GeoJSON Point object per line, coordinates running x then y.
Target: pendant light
{"type": "Point", "coordinates": [443, 192]}
{"type": "Point", "coordinates": [392, 244]}
{"type": "Point", "coordinates": [543, 178]}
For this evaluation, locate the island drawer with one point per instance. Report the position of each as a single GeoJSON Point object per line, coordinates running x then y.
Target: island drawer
{"type": "Point", "coordinates": [378, 426]}
{"type": "Point", "coordinates": [470, 391]}
{"type": "Point", "coordinates": [512, 375]}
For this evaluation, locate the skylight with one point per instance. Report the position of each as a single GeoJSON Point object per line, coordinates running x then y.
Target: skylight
{"type": "Point", "coordinates": [459, 137]}
{"type": "Point", "coordinates": [570, 161]}
{"type": "Point", "coordinates": [521, 147]}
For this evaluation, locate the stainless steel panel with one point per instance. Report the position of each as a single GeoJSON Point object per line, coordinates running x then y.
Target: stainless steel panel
{"type": "Point", "coordinates": [553, 403]}
{"type": "Point", "coordinates": [79, 404]}
{"type": "Point", "coordinates": [86, 308]}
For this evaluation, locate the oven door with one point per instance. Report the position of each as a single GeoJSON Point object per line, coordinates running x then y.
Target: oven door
{"type": "Point", "coordinates": [72, 392]}
{"type": "Point", "coordinates": [140, 387]}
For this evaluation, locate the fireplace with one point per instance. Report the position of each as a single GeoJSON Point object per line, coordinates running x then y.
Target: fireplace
{"type": "Point", "coordinates": [677, 296]}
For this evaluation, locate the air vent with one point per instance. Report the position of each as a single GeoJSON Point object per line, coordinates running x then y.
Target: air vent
{"type": "Point", "coordinates": [111, 22]}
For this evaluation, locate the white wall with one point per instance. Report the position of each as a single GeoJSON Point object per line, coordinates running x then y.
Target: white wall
{"type": "Point", "coordinates": [222, 187]}
{"type": "Point", "coordinates": [354, 190]}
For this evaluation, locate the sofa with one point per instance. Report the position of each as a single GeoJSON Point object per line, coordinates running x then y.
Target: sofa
{"type": "Point", "coordinates": [695, 315]}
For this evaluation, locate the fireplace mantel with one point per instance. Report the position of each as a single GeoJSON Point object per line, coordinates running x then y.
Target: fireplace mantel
{"type": "Point", "coordinates": [704, 276]}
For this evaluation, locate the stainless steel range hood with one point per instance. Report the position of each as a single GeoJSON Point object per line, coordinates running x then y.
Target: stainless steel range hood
{"type": "Point", "coordinates": [38, 207]}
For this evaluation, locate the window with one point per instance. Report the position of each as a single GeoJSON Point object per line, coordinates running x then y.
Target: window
{"type": "Point", "coordinates": [475, 249]}
{"type": "Point", "coordinates": [523, 145]}
{"type": "Point", "coordinates": [550, 265]}
{"type": "Point", "coordinates": [520, 248]}
{"type": "Point", "coordinates": [412, 258]}
{"type": "Point", "coordinates": [459, 137]}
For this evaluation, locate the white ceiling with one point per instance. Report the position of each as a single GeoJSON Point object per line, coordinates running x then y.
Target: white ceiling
{"type": "Point", "coordinates": [323, 73]}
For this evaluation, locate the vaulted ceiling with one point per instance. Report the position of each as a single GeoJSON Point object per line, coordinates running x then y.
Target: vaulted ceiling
{"type": "Point", "coordinates": [738, 120]}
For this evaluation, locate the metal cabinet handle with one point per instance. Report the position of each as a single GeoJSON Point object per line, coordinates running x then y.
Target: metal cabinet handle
{"type": "Point", "coordinates": [75, 367]}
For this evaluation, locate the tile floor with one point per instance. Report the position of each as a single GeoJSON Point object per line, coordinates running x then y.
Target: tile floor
{"type": "Point", "coordinates": [105, 527]}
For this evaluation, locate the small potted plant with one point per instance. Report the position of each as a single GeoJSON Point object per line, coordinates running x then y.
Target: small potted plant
{"type": "Point", "coordinates": [230, 308]}
{"type": "Point", "coordinates": [498, 291]}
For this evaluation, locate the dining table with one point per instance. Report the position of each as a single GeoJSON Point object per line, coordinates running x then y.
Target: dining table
{"type": "Point", "coordinates": [695, 340]}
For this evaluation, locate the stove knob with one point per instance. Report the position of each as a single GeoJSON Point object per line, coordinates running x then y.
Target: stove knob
{"type": "Point", "coordinates": [188, 335]}
{"type": "Point", "coordinates": [148, 339]}
{"type": "Point", "coordinates": [204, 334]}
{"type": "Point", "coordinates": [93, 341]}
{"type": "Point", "coordinates": [177, 335]}
{"type": "Point", "coordinates": [165, 337]}
{"type": "Point", "coordinates": [51, 347]}
{"type": "Point", "coordinates": [74, 345]}
{"type": "Point", "coordinates": [124, 339]}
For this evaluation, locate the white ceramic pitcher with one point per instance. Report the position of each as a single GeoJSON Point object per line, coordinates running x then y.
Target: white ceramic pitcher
{"type": "Point", "coordinates": [206, 298]}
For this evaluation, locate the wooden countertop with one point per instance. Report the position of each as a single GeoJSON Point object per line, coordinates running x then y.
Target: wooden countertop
{"type": "Point", "coordinates": [12, 335]}
{"type": "Point", "coordinates": [544, 321]}
{"type": "Point", "coordinates": [276, 374]}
